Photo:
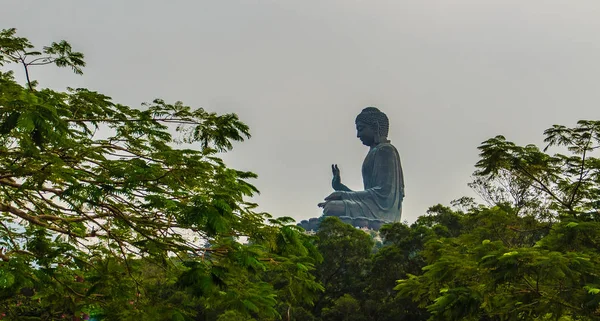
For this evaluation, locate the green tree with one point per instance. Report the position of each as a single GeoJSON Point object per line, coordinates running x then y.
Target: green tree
{"type": "Point", "coordinates": [104, 211]}
{"type": "Point", "coordinates": [293, 278]}
{"type": "Point", "coordinates": [346, 254]}
{"type": "Point", "coordinates": [533, 253]}
{"type": "Point", "coordinates": [400, 255]}
{"type": "Point", "coordinates": [345, 308]}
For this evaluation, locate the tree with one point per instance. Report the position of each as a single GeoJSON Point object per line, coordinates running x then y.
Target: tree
{"type": "Point", "coordinates": [94, 193]}
{"type": "Point", "coordinates": [344, 308]}
{"type": "Point", "coordinates": [346, 252]}
{"type": "Point", "coordinates": [400, 255]}
{"type": "Point", "coordinates": [533, 253]}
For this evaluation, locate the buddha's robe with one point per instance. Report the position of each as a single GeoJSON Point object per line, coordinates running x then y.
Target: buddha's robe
{"type": "Point", "coordinates": [383, 186]}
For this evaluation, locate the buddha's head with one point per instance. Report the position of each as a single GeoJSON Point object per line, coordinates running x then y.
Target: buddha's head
{"type": "Point", "coordinates": [372, 126]}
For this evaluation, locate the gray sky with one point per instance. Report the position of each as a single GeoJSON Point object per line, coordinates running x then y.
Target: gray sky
{"type": "Point", "coordinates": [449, 74]}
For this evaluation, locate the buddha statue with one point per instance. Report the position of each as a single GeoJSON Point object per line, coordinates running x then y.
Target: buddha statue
{"type": "Point", "coordinates": [381, 200]}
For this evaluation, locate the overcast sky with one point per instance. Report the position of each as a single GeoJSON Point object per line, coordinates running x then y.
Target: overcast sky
{"type": "Point", "coordinates": [448, 73]}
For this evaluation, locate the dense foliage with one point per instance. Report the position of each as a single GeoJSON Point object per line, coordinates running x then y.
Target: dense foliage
{"type": "Point", "coordinates": [533, 253]}
{"type": "Point", "coordinates": [106, 215]}
{"type": "Point", "coordinates": [103, 212]}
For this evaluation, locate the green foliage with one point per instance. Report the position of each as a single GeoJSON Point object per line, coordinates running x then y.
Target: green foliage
{"type": "Point", "coordinates": [344, 308]}
{"type": "Point", "coordinates": [346, 251]}
{"type": "Point", "coordinates": [103, 211]}
{"type": "Point", "coordinates": [533, 253]}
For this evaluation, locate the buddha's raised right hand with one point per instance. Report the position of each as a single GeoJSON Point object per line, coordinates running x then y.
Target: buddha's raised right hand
{"type": "Point", "coordinates": [336, 182]}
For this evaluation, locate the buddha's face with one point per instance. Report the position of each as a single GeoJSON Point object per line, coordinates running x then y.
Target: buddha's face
{"type": "Point", "coordinates": [365, 133]}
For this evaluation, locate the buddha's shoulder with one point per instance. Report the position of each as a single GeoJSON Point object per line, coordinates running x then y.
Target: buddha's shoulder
{"type": "Point", "coordinates": [385, 147]}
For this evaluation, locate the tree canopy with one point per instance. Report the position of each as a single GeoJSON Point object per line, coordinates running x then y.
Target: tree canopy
{"type": "Point", "coordinates": [129, 211]}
